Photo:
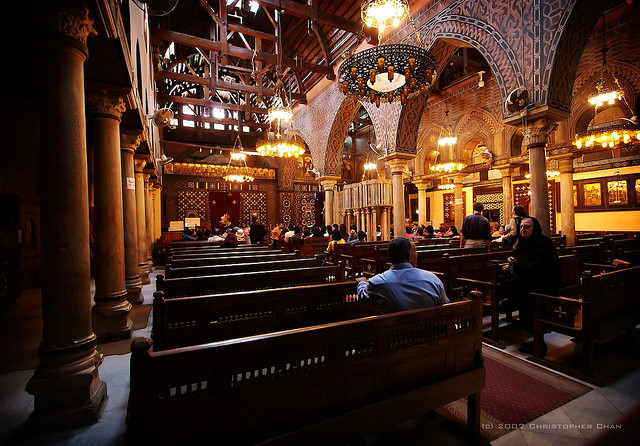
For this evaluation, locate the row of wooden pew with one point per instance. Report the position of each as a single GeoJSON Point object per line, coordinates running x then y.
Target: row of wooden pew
{"type": "Point", "coordinates": [260, 346]}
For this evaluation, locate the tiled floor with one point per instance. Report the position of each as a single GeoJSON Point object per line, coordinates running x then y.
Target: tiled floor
{"type": "Point", "coordinates": [576, 423]}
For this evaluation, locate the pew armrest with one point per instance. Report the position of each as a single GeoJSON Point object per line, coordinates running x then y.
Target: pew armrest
{"type": "Point", "coordinates": [558, 311]}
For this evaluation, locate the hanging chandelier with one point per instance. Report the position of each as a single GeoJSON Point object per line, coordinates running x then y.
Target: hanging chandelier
{"type": "Point", "coordinates": [387, 72]}
{"type": "Point", "coordinates": [608, 138]}
{"type": "Point", "coordinates": [448, 141]}
{"type": "Point", "coordinates": [283, 146]}
{"type": "Point", "coordinates": [237, 174]}
{"type": "Point", "coordinates": [603, 94]}
{"type": "Point", "coordinates": [383, 14]}
{"type": "Point", "coordinates": [550, 174]}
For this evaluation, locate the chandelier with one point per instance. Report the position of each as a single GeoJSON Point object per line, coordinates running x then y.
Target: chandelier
{"type": "Point", "coordinates": [550, 174]}
{"type": "Point", "coordinates": [280, 110]}
{"type": "Point", "coordinates": [383, 14]}
{"type": "Point", "coordinates": [237, 174]}
{"type": "Point", "coordinates": [604, 95]}
{"type": "Point", "coordinates": [608, 138]}
{"type": "Point", "coordinates": [448, 141]}
{"type": "Point", "coordinates": [284, 146]}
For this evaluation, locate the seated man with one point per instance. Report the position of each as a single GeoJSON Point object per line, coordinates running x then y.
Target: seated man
{"type": "Point", "coordinates": [403, 287]}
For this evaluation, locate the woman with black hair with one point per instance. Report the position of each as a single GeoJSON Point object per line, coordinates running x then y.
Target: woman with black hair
{"type": "Point", "coordinates": [535, 267]}
{"type": "Point", "coordinates": [512, 237]}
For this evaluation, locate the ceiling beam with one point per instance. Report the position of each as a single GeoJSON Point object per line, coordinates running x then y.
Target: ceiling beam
{"type": "Point", "coordinates": [308, 12]}
{"type": "Point", "coordinates": [221, 85]}
{"type": "Point", "coordinates": [165, 98]}
{"type": "Point", "coordinates": [243, 53]}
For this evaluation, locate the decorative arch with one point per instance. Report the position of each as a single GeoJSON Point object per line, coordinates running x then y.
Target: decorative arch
{"type": "Point", "coordinates": [333, 156]}
{"type": "Point", "coordinates": [476, 124]}
{"type": "Point", "coordinates": [428, 142]}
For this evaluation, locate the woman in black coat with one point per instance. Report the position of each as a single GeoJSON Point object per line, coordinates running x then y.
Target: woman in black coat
{"type": "Point", "coordinates": [535, 267]}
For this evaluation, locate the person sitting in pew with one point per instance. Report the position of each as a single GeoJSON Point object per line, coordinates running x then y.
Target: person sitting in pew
{"type": "Point", "coordinates": [336, 237]}
{"type": "Point", "coordinates": [403, 287]}
{"type": "Point", "coordinates": [230, 241]}
{"type": "Point", "coordinates": [534, 267]}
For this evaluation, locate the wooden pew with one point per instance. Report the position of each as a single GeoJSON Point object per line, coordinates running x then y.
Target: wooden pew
{"type": "Point", "coordinates": [194, 320]}
{"type": "Point", "coordinates": [210, 246]}
{"type": "Point", "coordinates": [245, 266]}
{"type": "Point", "coordinates": [315, 385]}
{"type": "Point", "coordinates": [314, 245]}
{"type": "Point", "coordinates": [610, 306]}
{"type": "Point", "coordinates": [230, 258]}
{"type": "Point", "coordinates": [585, 253]}
{"type": "Point", "coordinates": [233, 251]}
{"type": "Point", "coordinates": [493, 289]}
{"type": "Point", "coordinates": [194, 286]}
{"type": "Point", "coordinates": [480, 266]}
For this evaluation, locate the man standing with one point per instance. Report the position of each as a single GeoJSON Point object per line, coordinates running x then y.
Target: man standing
{"type": "Point", "coordinates": [403, 287]}
{"type": "Point", "coordinates": [256, 231]}
{"type": "Point", "coordinates": [475, 232]}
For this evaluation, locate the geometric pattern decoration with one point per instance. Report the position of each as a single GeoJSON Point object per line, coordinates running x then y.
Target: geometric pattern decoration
{"type": "Point", "coordinates": [304, 208]}
{"type": "Point", "coordinates": [193, 203]}
{"type": "Point", "coordinates": [492, 201]}
{"type": "Point", "coordinates": [286, 207]}
{"type": "Point", "coordinates": [253, 203]}
{"type": "Point", "coordinates": [521, 197]}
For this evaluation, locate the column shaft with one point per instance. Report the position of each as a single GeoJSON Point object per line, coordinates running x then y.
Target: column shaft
{"type": "Point", "coordinates": [568, 218]}
{"type": "Point", "coordinates": [66, 384]}
{"type": "Point", "coordinates": [148, 216]}
{"type": "Point", "coordinates": [458, 203]}
{"type": "Point", "coordinates": [422, 206]}
{"type": "Point", "coordinates": [110, 313]}
{"type": "Point", "coordinates": [143, 266]}
{"type": "Point", "coordinates": [132, 275]}
{"type": "Point", "coordinates": [507, 196]}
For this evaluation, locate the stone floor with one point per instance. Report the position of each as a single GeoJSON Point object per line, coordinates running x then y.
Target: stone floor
{"type": "Point", "coordinates": [578, 422]}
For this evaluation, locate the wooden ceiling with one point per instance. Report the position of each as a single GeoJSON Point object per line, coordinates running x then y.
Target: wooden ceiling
{"type": "Point", "coordinates": [225, 56]}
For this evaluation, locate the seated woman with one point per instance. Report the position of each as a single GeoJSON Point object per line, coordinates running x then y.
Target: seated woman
{"type": "Point", "coordinates": [535, 267]}
{"type": "Point", "coordinates": [336, 237]}
{"type": "Point", "coordinates": [452, 232]}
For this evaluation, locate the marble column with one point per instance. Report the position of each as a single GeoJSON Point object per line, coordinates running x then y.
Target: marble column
{"type": "Point", "coordinates": [362, 223]}
{"type": "Point", "coordinates": [536, 134]}
{"type": "Point", "coordinates": [143, 266]}
{"type": "Point", "coordinates": [148, 218]}
{"type": "Point", "coordinates": [568, 217]}
{"type": "Point", "coordinates": [422, 204]}
{"type": "Point", "coordinates": [110, 314]}
{"type": "Point", "coordinates": [398, 164]}
{"type": "Point", "coordinates": [507, 193]}
{"type": "Point", "coordinates": [128, 145]}
{"type": "Point", "coordinates": [347, 219]}
{"type": "Point", "coordinates": [66, 385]}
{"type": "Point", "coordinates": [458, 201]}
{"type": "Point", "coordinates": [367, 222]}
{"type": "Point", "coordinates": [385, 224]}
{"type": "Point", "coordinates": [157, 211]}
{"type": "Point", "coordinates": [374, 223]}
{"type": "Point", "coordinates": [328, 182]}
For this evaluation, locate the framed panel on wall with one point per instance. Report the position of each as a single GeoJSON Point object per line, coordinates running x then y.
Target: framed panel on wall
{"type": "Point", "coordinates": [613, 193]}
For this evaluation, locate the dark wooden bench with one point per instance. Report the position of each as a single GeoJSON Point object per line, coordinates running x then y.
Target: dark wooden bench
{"type": "Point", "coordinates": [586, 253]}
{"type": "Point", "coordinates": [210, 246]}
{"type": "Point", "coordinates": [242, 281]}
{"type": "Point", "coordinates": [315, 385]}
{"type": "Point", "coordinates": [230, 258]}
{"type": "Point", "coordinates": [246, 265]}
{"type": "Point", "coordinates": [490, 281]}
{"type": "Point", "coordinates": [314, 245]}
{"type": "Point", "coordinates": [193, 320]}
{"type": "Point", "coordinates": [610, 306]}
{"type": "Point", "coordinates": [231, 251]}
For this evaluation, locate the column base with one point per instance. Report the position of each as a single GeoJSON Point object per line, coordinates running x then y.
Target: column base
{"type": "Point", "coordinates": [150, 263]}
{"type": "Point", "coordinates": [143, 269]}
{"type": "Point", "coordinates": [134, 290]}
{"type": "Point", "coordinates": [67, 392]}
{"type": "Point", "coordinates": [110, 318]}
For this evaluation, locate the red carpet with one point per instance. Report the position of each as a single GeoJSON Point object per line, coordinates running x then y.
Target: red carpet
{"type": "Point", "coordinates": [517, 392]}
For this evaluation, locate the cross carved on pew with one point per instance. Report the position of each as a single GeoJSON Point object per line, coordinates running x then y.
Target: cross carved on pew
{"type": "Point", "coordinates": [560, 312]}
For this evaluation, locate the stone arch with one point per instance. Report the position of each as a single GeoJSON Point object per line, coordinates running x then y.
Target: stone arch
{"type": "Point", "coordinates": [571, 40]}
{"type": "Point", "coordinates": [485, 38]}
{"type": "Point", "coordinates": [428, 142]}
{"type": "Point", "coordinates": [476, 124]}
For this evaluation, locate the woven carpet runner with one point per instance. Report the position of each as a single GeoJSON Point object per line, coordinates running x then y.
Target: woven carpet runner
{"type": "Point", "coordinates": [516, 392]}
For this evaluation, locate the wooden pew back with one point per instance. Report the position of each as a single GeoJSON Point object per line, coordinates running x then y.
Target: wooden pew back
{"type": "Point", "coordinates": [200, 319]}
{"type": "Point", "coordinates": [231, 258]}
{"type": "Point", "coordinates": [248, 265]}
{"type": "Point", "coordinates": [195, 286]}
{"type": "Point", "coordinates": [320, 384]}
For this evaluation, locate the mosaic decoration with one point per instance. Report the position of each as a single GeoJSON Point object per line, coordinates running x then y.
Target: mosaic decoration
{"type": "Point", "coordinates": [286, 208]}
{"type": "Point", "coordinates": [333, 161]}
{"type": "Point", "coordinates": [385, 123]}
{"type": "Point", "coordinates": [193, 203]}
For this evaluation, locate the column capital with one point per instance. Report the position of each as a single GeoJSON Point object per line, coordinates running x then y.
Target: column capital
{"type": "Point", "coordinates": [565, 165]}
{"type": "Point", "coordinates": [138, 164]}
{"type": "Point", "coordinates": [398, 162]}
{"type": "Point", "coordinates": [536, 132]}
{"type": "Point", "coordinates": [73, 22]}
{"type": "Point", "coordinates": [129, 142]}
{"type": "Point", "coordinates": [328, 181]}
{"type": "Point", "coordinates": [105, 105]}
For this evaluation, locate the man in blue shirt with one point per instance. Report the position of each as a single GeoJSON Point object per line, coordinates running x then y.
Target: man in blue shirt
{"type": "Point", "coordinates": [403, 287]}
